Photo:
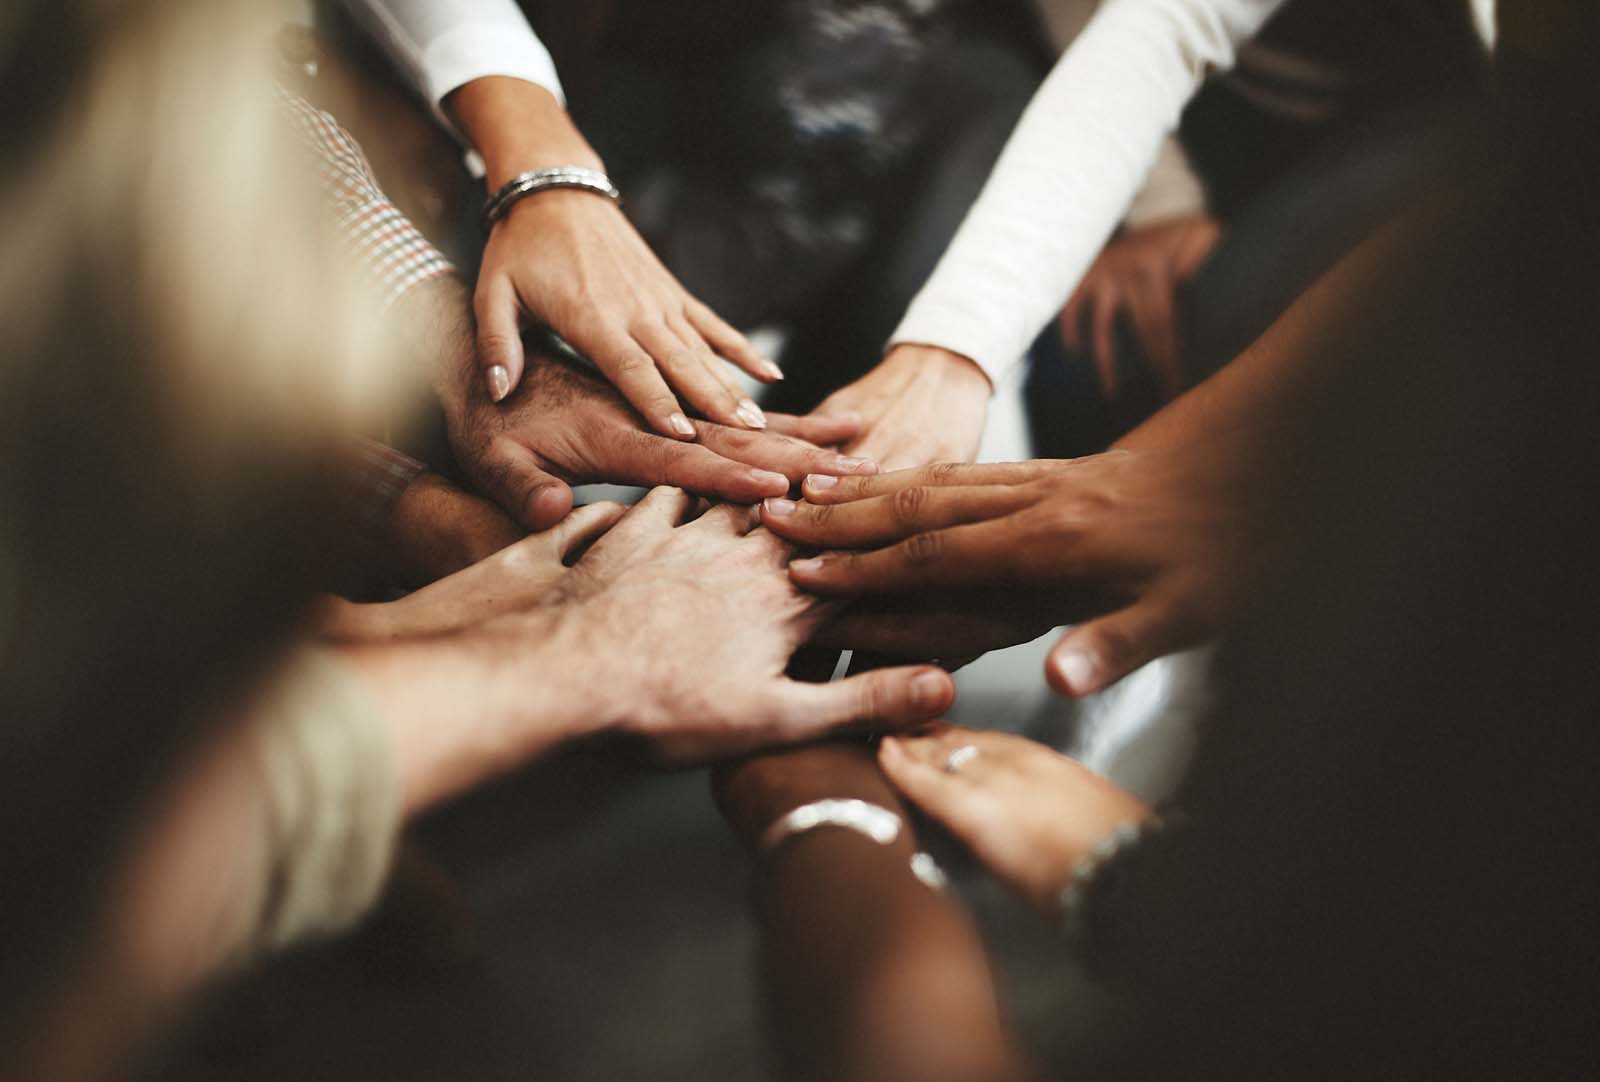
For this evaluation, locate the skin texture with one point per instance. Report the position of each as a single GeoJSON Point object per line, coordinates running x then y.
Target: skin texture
{"type": "Point", "coordinates": [434, 529]}
{"type": "Point", "coordinates": [565, 426]}
{"type": "Point", "coordinates": [572, 261]}
{"type": "Point", "coordinates": [1152, 550]}
{"type": "Point", "coordinates": [1026, 812]}
{"type": "Point", "coordinates": [921, 404]}
{"type": "Point", "coordinates": [526, 653]}
{"type": "Point", "coordinates": [1137, 277]}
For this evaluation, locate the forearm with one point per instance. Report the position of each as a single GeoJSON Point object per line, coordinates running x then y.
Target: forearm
{"type": "Point", "coordinates": [463, 709]}
{"type": "Point", "coordinates": [869, 973]}
{"type": "Point", "coordinates": [517, 126]}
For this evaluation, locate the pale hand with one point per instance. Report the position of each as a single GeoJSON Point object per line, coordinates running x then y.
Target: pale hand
{"type": "Point", "coordinates": [921, 404]}
{"type": "Point", "coordinates": [1028, 813]}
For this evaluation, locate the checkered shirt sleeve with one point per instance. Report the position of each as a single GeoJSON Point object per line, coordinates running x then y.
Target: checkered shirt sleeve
{"type": "Point", "coordinates": [374, 229]}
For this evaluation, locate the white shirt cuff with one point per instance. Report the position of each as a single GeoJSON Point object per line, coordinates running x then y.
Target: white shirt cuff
{"type": "Point", "coordinates": [477, 50]}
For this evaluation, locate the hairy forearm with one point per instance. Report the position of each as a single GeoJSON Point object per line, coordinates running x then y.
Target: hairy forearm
{"type": "Point", "coordinates": [516, 126]}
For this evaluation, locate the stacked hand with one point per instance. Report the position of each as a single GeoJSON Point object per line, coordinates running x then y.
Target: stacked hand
{"type": "Point", "coordinates": [1026, 812]}
{"type": "Point", "coordinates": [922, 404]}
{"type": "Point", "coordinates": [565, 426]}
{"type": "Point", "coordinates": [1155, 550]}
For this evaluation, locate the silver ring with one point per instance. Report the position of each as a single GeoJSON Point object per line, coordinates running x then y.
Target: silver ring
{"type": "Point", "coordinates": [960, 758]}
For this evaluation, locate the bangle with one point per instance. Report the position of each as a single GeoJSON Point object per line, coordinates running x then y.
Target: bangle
{"type": "Point", "coordinates": [1095, 873]}
{"type": "Point", "coordinates": [869, 820]}
{"type": "Point", "coordinates": [523, 185]}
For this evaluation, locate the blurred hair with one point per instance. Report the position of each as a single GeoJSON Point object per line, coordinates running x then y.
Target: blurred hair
{"type": "Point", "coordinates": [182, 355]}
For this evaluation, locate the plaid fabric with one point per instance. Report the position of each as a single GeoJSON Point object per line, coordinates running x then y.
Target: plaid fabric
{"type": "Point", "coordinates": [379, 474]}
{"type": "Point", "coordinates": [375, 230]}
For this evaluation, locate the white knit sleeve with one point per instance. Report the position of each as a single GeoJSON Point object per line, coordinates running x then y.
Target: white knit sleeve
{"type": "Point", "coordinates": [1070, 171]}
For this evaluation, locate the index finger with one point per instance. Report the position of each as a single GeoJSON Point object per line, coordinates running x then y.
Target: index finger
{"type": "Point", "coordinates": [882, 519]}
{"type": "Point", "coordinates": [826, 489]}
{"type": "Point", "coordinates": [971, 555]}
{"type": "Point", "coordinates": [647, 459]}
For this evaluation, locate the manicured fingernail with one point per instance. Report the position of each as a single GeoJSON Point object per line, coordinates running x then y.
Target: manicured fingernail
{"type": "Point", "coordinates": [807, 567]}
{"type": "Point", "coordinates": [499, 382]}
{"type": "Point", "coordinates": [777, 508]}
{"type": "Point", "coordinates": [768, 479]}
{"type": "Point", "coordinates": [857, 465]}
{"type": "Point", "coordinates": [927, 690]}
{"type": "Point", "coordinates": [821, 481]}
{"type": "Point", "coordinates": [1077, 670]}
{"type": "Point", "coordinates": [772, 370]}
{"type": "Point", "coordinates": [751, 414]}
{"type": "Point", "coordinates": [680, 424]}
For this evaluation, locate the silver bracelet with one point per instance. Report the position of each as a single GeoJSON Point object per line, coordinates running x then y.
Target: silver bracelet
{"type": "Point", "coordinates": [523, 185]}
{"type": "Point", "coordinates": [869, 820]}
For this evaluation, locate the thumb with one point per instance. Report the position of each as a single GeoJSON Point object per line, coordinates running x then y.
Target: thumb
{"type": "Point", "coordinates": [887, 698]}
{"type": "Point", "coordinates": [499, 337]}
{"type": "Point", "coordinates": [535, 498]}
{"type": "Point", "coordinates": [1093, 656]}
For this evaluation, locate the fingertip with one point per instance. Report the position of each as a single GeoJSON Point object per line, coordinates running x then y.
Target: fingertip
{"type": "Point", "coordinates": [1072, 670]}
{"type": "Point", "coordinates": [769, 483]}
{"type": "Point", "coordinates": [932, 691]}
{"type": "Point", "coordinates": [819, 486]}
{"type": "Point", "coordinates": [677, 426]}
{"type": "Point", "coordinates": [547, 505]}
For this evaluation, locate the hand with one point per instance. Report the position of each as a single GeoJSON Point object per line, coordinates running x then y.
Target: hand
{"type": "Point", "coordinates": [1026, 812]}
{"type": "Point", "coordinates": [565, 426]}
{"type": "Point", "coordinates": [1138, 275]}
{"type": "Point", "coordinates": [512, 579]}
{"type": "Point", "coordinates": [573, 261]}
{"type": "Point", "coordinates": [434, 529]}
{"type": "Point", "coordinates": [1160, 550]}
{"type": "Point", "coordinates": [921, 404]}
{"type": "Point", "coordinates": [717, 690]}
{"type": "Point", "coordinates": [949, 628]}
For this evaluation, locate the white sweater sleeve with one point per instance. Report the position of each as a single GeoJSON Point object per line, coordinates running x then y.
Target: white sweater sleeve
{"type": "Point", "coordinates": [1069, 172]}
{"type": "Point", "coordinates": [441, 45]}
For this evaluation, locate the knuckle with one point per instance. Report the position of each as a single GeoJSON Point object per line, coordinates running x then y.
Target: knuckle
{"type": "Point", "coordinates": [907, 504]}
{"type": "Point", "coordinates": [943, 473]}
{"type": "Point", "coordinates": [924, 548]}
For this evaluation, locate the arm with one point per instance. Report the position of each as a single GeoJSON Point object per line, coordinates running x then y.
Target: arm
{"type": "Point", "coordinates": [1069, 172]}
{"type": "Point", "coordinates": [568, 259]}
{"type": "Point", "coordinates": [868, 973]}
{"type": "Point", "coordinates": [1063, 183]}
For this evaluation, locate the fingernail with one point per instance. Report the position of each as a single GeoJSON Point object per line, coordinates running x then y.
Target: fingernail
{"type": "Point", "coordinates": [499, 382]}
{"type": "Point", "coordinates": [777, 508]}
{"type": "Point", "coordinates": [751, 414]}
{"type": "Point", "coordinates": [927, 690]}
{"type": "Point", "coordinates": [1077, 670]}
{"type": "Point", "coordinates": [821, 481]}
{"type": "Point", "coordinates": [857, 465]}
{"type": "Point", "coordinates": [772, 370]}
{"type": "Point", "coordinates": [768, 479]}
{"type": "Point", "coordinates": [680, 424]}
{"type": "Point", "coordinates": [806, 567]}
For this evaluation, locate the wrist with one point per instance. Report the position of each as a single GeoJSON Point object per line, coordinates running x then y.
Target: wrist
{"type": "Point", "coordinates": [960, 371]}
{"type": "Point", "coordinates": [517, 126]}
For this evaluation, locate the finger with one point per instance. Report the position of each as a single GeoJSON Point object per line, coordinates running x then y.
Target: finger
{"type": "Point", "coordinates": [583, 527]}
{"type": "Point", "coordinates": [793, 458]}
{"type": "Point", "coordinates": [1107, 307]}
{"type": "Point", "coordinates": [1093, 656]}
{"type": "Point", "coordinates": [1155, 325]}
{"type": "Point", "coordinates": [686, 367]}
{"type": "Point", "coordinates": [1072, 316]}
{"type": "Point", "coordinates": [513, 477]}
{"type": "Point", "coordinates": [640, 458]}
{"type": "Point", "coordinates": [978, 554]}
{"type": "Point", "coordinates": [952, 799]}
{"type": "Point", "coordinates": [883, 698]}
{"type": "Point", "coordinates": [632, 370]}
{"type": "Point", "coordinates": [731, 518]}
{"type": "Point", "coordinates": [828, 489]}
{"type": "Point", "coordinates": [662, 508]}
{"type": "Point", "coordinates": [816, 428]}
{"type": "Point", "coordinates": [499, 318]}
{"type": "Point", "coordinates": [885, 519]}
{"type": "Point", "coordinates": [729, 342]}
